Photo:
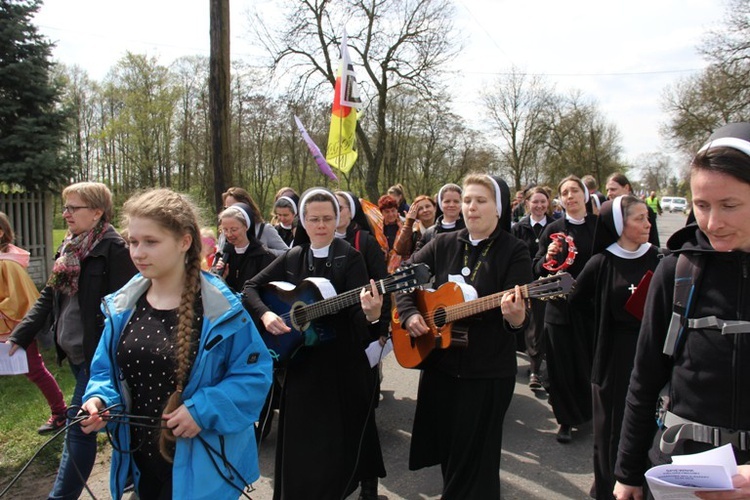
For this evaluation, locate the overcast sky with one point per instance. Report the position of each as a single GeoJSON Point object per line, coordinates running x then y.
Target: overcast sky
{"type": "Point", "coordinates": [622, 54]}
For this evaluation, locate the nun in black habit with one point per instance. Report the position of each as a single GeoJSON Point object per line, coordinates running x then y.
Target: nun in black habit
{"type": "Point", "coordinates": [568, 351]}
{"type": "Point", "coordinates": [327, 441]}
{"type": "Point", "coordinates": [464, 392]}
{"type": "Point", "coordinates": [244, 255]}
{"type": "Point", "coordinates": [609, 281]}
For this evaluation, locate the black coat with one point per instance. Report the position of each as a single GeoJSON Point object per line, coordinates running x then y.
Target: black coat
{"type": "Point", "coordinates": [583, 237]}
{"type": "Point", "coordinates": [375, 263]}
{"type": "Point", "coordinates": [327, 391]}
{"type": "Point", "coordinates": [242, 267]}
{"type": "Point", "coordinates": [709, 371]}
{"type": "Point", "coordinates": [105, 270]}
{"type": "Point", "coordinates": [525, 232]}
{"type": "Point", "coordinates": [491, 351]}
{"type": "Point", "coordinates": [595, 293]}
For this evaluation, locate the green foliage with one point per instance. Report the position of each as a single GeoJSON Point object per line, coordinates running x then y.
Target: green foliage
{"type": "Point", "coordinates": [25, 409]}
{"type": "Point", "coordinates": [720, 94]}
{"type": "Point", "coordinates": [32, 125]}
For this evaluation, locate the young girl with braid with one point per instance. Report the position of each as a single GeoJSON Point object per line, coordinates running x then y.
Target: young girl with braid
{"type": "Point", "coordinates": [177, 347]}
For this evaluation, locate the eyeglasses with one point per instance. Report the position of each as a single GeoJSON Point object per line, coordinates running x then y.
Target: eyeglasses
{"type": "Point", "coordinates": [233, 230]}
{"type": "Point", "coordinates": [71, 209]}
{"type": "Point", "coordinates": [317, 220]}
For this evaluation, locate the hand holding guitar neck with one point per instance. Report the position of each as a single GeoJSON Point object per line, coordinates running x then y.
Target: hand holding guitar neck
{"type": "Point", "coordinates": [372, 302]}
{"type": "Point", "coordinates": [513, 307]}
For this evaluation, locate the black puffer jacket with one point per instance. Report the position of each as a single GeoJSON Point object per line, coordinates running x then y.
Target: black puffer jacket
{"type": "Point", "coordinates": [105, 270]}
{"type": "Point", "coordinates": [709, 371]}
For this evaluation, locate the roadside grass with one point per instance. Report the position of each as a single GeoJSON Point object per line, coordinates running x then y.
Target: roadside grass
{"type": "Point", "coordinates": [57, 236]}
{"type": "Point", "coordinates": [24, 409]}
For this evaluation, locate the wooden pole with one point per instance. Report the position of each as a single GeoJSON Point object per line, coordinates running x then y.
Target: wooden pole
{"type": "Point", "coordinates": [218, 98]}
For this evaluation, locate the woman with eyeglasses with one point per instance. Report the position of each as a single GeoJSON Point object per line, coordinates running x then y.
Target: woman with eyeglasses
{"type": "Point", "coordinates": [326, 443]}
{"type": "Point", "coordinates": [264, 232]}
{"type": "Point", "coordinates": [92, 262]}
{"type": "Point", "coordinates": [245, 256]}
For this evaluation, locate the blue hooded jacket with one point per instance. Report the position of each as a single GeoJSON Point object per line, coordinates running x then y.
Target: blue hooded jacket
{"type": "Point", "coordinates": [225, 392]}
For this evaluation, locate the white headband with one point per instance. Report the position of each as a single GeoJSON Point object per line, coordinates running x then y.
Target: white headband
{"type": "Point", "coordinates": [294, 205]}
{"type": "Point", "coordinates": [440, 193]}
{"type": "Point", "coordinates": [498, 196]}
{"type": "Point", "coordinates": [586, 195]}
{"type": "Point", "coordinates": [595, 201]}
{"type": "Point", "coordinates": [731, 142]}
{"type": "Point", "coordinates": [352, 206]}
{"type": "Point", "coordinates": [312, 192]}
{"type": "Point", "coordinates": [244, 214]}
{"type": "Point", "coordinates": [617, 214]}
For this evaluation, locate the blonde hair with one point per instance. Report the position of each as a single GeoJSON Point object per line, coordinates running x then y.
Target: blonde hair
{"type": "Point", "coordinates": [482, 180]}
{"type": "Point", "coordinates": [94, 195]}
{"type": "Point", "coordinates": [178, 215]}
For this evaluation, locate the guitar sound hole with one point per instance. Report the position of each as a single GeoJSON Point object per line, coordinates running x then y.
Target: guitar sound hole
{"type": "Point", "coordinates": [298, 317]}
{"type": "Point", "coordinates": [439, 318]}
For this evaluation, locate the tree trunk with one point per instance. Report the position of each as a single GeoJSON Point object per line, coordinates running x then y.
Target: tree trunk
{"type": "Point", "coordinates": [218, 96]}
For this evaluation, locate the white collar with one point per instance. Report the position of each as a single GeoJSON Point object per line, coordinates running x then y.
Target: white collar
{"type": "Point", "coordinates": [339, 235]}
{"type": "Point", "coordinates": [542, 222]}
{"type": "Point", "coordinates": [320, 253]}
{"type": "Point", "coordinates": [577, 222]}
{"type": "Point", "coordinates": [475, 242]}
{"type": "Point", "coordinates": [241, 250]}
{"type": "Point", "coordinates": [448, 225]}
{"type": "Point", "coordinates": [617, 250]}
{"type": "Point", "coordinates": [285, 227]}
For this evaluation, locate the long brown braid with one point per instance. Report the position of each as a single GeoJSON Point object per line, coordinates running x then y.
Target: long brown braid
{"type": "Point", "coordinates": [176, 213]}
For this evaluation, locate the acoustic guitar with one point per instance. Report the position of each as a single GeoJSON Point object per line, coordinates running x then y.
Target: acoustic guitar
{"type": "Point", "coordinates": [452, 302]}
{"type": "Point", "coordinates": [315, 298]}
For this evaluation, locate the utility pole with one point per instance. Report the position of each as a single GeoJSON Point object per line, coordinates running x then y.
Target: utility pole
{"type": "Point", "coordinates": [218, 98]}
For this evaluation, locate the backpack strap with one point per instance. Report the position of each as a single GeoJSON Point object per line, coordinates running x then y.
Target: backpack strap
{"type": "Point", "coordinates": [686, 281]}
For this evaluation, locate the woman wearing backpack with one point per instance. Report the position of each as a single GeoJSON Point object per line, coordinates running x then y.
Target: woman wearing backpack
{"type": "Point", "coordinates": [706, 367]}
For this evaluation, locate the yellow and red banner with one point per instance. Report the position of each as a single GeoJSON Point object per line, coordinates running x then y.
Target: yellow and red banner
{"type": "Point", "coordinates": [341, 154]}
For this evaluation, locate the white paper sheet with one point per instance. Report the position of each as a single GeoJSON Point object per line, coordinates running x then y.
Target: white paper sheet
{"type": "Point", "coordinates": [376, 353]}
{"type": "Point", "coordinates": [12, 365]}
{"type": "Point", "coordinates": [708, 471]}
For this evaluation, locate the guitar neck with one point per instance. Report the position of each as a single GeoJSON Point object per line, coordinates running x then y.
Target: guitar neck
{"type": "Point", "coordinates": [341, 301]}
{"type": "Point", "coordinates": [460, 311]}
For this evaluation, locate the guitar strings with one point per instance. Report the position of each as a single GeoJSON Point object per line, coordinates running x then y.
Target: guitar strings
{"type": "Point", "coordinates": [458, 311]}
{"type": "Point", "coordinates": [334, 304]}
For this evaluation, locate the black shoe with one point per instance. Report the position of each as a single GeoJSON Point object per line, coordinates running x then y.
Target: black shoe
{"type": "Point", "coordinates": [563, 435]}
{"type": "Point", "coordinates": [535, 383]}
{"type": "Point", "coordinates": [53, 424]}
{"type": "Point", "coordinates": [369, 489]}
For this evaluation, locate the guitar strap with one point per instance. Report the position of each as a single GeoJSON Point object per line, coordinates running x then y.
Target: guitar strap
{"type": "Point", "coordinates": [335, 262]}
{"type": "Point", "coordinates": [469, 274]}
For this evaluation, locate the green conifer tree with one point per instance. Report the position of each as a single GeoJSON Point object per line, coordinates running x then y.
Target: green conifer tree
{"type": "Point", "coordinates": [32, 121]}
